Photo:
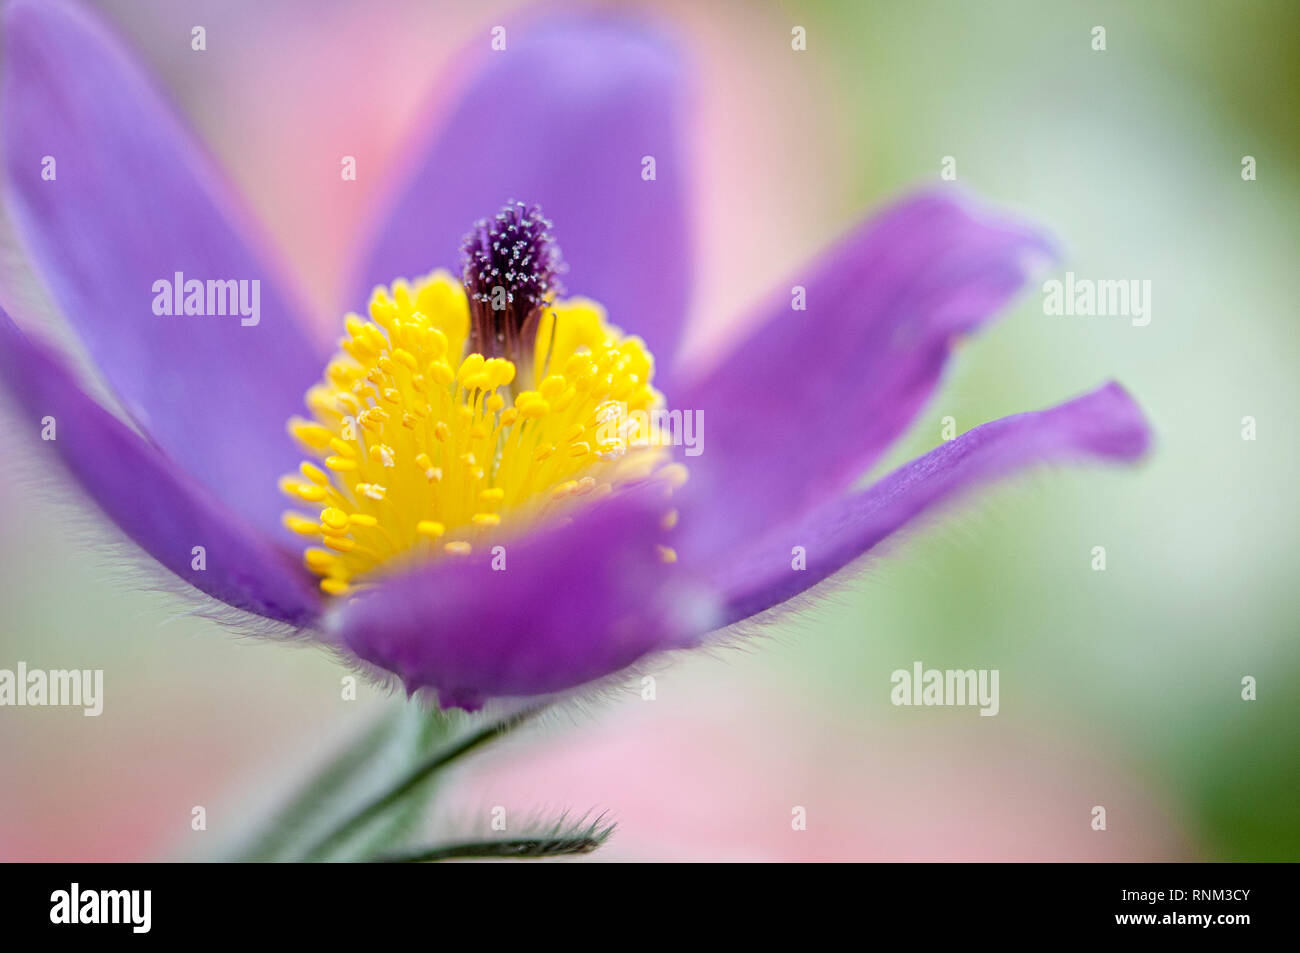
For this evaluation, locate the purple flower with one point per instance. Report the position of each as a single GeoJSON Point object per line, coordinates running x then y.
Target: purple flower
{"type": "Point", "coordinates": [493, 547]}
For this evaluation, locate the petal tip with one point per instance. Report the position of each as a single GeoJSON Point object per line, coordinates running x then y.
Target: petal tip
{"type": "Point", "coordinates": [1122, 430]}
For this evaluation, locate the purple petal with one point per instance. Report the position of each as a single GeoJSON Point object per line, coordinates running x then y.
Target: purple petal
{"type": "Point", "coordinates": [562, 118]}
{"type": "Point", "coordinates": [813, 398]}
{"type": "Point", "coordinates": [1103, 425]}
{"type": "Point", "coordinates": [156, 505]}
{"type": "Point", "coordinates": [133, 201]}
{"type": "Point", "coordinates": [573, 603]}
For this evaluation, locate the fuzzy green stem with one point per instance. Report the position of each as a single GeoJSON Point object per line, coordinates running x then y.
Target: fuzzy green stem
{"type": "Point", "coordinates": [418, 774]}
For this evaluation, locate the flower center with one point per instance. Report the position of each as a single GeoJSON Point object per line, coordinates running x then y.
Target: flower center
{"type": "Point", "coordinates": [424, 445]}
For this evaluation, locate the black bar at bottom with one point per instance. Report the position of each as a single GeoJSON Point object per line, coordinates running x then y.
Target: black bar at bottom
{"type": "Point", "coordinates": [337, 902]}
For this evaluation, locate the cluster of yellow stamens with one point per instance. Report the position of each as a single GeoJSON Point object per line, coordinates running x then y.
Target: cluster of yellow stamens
{"type": "Point", "coordinates": [423, 450]}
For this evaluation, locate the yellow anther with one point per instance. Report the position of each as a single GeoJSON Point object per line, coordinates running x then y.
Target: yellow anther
{"type": "Point", "coordinates": [431, 473]}
{"type": "Point", "coordinates": [440, 372]}
{"type": "Point", "coordinates": [442, 431]}
{"type": "Point", "coordinates": [364, 520]}
{"type": "Point", "coordinates": [342, 374]}
{"type": "Point", "coordinates": [552, 387]}
{"type": "Point", "coordinates": [343, 544]}
{"type": "Point", "coordinates": [458, 548]}
{"type": "Point", "coordinates": [360, 353]}
{"type": "Point", "coordinates": [579, 365]}
{"type": "Point", "coordinates": [471, 367]}
{"type": "Point", "coordinates": [340, 464]}
{"type": "Point", "coordinates": [300, 524]}
{"type": "Point", "coordinates": [343, 448]}
{"type": "Point", "coordinates": [382, 310]}
{"type": "Point", "coordinates": [312, 435]}
{"type": "Point", "coordinates": [314, 473]}
{"type": "Point", "coordinates": [500, 372]}
{"type": "Point", "coordinates": [323, 401]}
{"type": "Point", "coordinates": [580, 449]}
{"type": "Point", "coordinates": [382, 454]}
{"type": "Point", "coordinates": [333, 518]}
{"type": "Point", "coordinates": [335, 587]}
{"type": "Point", "coordinates": [372, 490]}
{"type": "Point", "coordinates": [372, 419]}
{"type": "Point", "coordinates": [302, 491]}
{"type": "Point", "coordinates": [375, 338]}
{"type": "Point", "coordinates": [430, 528]}
{"type": "Point", "coordinates": [486, 519]}
{"type": "Point", "coordinates": [402, 295]}
{"type": "Point", "coordinates": [355, 325]}
{"type": "Point", "coordinates": [667, 554]}
{"type": "Point", "coordinates": [493, 495]}
{"type": "Point", "coordinates": [669, 521]}
{"type": "Point", "coordinates": [319, 560]}
{"type": "Point", "coordinates": [405, 358]}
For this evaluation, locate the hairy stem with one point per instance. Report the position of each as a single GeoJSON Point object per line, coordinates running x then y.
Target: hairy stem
{"type": "Point", "coordinates": [416, 776]}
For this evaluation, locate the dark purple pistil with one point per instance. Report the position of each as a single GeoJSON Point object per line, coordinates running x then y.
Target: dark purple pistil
{"type": "Point", "coordinates": [510, 265]}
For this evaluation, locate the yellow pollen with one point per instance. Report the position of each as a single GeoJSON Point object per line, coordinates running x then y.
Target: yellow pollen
{"type": "Point", "coordinates": [421, 450]}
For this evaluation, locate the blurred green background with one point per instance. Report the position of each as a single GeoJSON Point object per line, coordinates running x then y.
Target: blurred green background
{"type": "Point", "coordinates": [1120, 688]}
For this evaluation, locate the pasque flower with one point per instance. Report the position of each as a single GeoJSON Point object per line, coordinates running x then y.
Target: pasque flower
{"type": "Point", "coordinates": [464, 509]}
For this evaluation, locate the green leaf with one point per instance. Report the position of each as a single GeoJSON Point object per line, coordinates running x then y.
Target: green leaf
{"type": "Point", "coordinates": [561, 839]}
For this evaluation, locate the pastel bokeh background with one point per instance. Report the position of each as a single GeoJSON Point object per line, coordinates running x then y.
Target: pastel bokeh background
{"type": "Point", "coordinates": [1119, 688]}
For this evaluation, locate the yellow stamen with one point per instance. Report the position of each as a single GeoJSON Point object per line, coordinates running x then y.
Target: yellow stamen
{"type": "Point", "coordinates": [414, 439]}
